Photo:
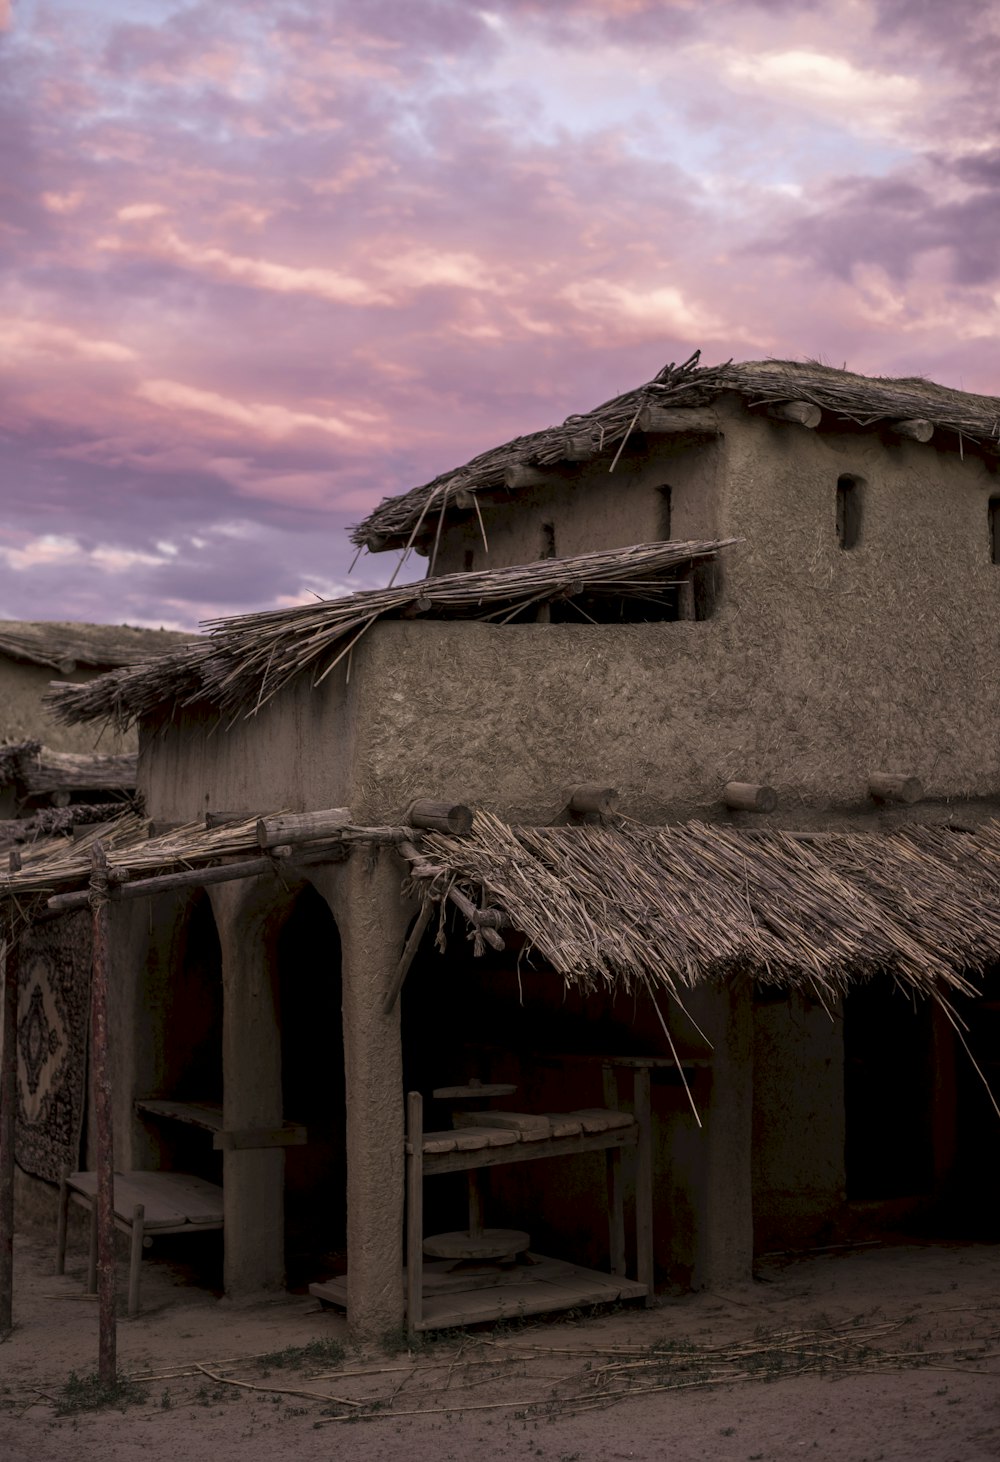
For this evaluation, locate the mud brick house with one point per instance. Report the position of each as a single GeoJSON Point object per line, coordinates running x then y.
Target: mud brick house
{"type": "Point", "coordinates": [714, 665]}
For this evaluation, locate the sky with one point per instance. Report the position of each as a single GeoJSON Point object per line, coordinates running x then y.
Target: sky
{"type": "Point", "coordinates": [265, 262]}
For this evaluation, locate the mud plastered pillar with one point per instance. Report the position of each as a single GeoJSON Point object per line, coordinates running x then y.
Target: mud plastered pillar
{"type": "Point", "coordinates": [253, 1179]}
{"type": "Point", "coordinates": [364, 894]}
{"type": "Point", "coordinates": [723, 1251]}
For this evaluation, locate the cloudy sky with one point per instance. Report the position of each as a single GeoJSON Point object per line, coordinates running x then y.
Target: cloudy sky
{"type": "Point", "coordinates": [263, 262]}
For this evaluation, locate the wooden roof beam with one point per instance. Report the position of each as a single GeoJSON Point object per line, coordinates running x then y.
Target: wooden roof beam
{"type": "Point", "coordinates": [917, 428]}
{"type": "Point", "coordinates": [677, 421]}
{"type": "Point", "coordinates": [803, 413]}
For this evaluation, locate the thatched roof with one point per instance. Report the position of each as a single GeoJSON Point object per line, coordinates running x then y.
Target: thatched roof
{"type": "Point", "coordinates": [65, 646]}
{"type": "Point", "coordinates": [243, 662]}
{"type": "Point", "coordinates": [659, 908]}
{"type": "Point", "coordinates": [843, 395]}
{"type": "Point", "coordinates": [669, 907]}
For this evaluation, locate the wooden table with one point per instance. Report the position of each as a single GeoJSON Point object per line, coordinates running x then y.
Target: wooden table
{"type": "Point", "coordinates": [144, 1203]}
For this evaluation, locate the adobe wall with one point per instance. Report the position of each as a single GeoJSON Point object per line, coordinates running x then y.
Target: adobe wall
{"type": "Point", "coordinates": [24, 718]}
{"type": "Point", "coordinates": [586, 507]}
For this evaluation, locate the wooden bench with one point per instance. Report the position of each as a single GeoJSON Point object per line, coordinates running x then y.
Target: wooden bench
{"type": "Point", "coordinates": [145, 1203]}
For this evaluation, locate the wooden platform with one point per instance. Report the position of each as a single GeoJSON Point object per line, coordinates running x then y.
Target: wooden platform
{"type": "Point", "coordinates": [452, 1298]}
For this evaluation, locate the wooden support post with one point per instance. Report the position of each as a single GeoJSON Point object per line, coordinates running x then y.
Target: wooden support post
{"type": "Point", "coordinates": [406, 958]}
{"type": "Point", "coordinates": [62, 1221]}
{"type": "Point", "coordinates": [302, 827]}
{"type": "Point", "coordinates": [8, 1111]}
{"type": "Point", "coordinates": [414, 1211]}
{"type": "Point", "coordinates": [895, 787]}
{"type": "Point", "coordinates": [674, 420]}
{"type": "Point", "coordinates": [685, 597]}
{"type": "Point", "coordinates": [592, 797]}
{"type": "Point", "coordinates": [92, 1251]}
{"type": "Point", "coordinates": [135, 1258]}
{"type": "Point", "coordinates": [616, 1192]}
{"type": "Point", "coordinates": [442, 817]}
{"type": "Point", "coordinates": [644, 1184]}
{"type": "Point", "coordinates": [805, 413]}
{"type": "Point", "coordinates": [750, 797]}
{"type": "Point", "coordinates": [101, 1067]}
{"type": "Point", "coordinates": [475, 1205]}
{"type": "Point", "coordinates": [917, 428]}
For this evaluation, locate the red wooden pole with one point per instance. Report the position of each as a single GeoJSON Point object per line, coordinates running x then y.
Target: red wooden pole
{"type": "Point", "coordinates": [8, 1107]}
{"type": "Point", "coordinates": [101, 1067]}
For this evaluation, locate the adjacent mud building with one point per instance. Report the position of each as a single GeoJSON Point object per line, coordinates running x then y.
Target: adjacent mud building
{"type": "Point", "coordinates": [715, 666]}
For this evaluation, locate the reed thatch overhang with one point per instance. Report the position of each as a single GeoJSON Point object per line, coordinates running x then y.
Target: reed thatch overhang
{"type": "Point", "coordinates": [244, 661]}
{"type": "Point", "coordinates": [843, 396]}
{"type": "Point", "coordinates": [66, 646]}
{"type": "Point", "coordinates": [659, 908]}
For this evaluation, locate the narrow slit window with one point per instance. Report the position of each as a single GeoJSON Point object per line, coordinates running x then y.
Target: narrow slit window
{"type": "Point", "coordinates": [548, 541]}
{"type": "Point", "coordinates": [666, 507]}
{"type": "Point", "coordinates": [848, 511]}
{"type": "Point", "coordinates": [994, 521]}
{"type": "Point", "coordinates": [469, 560]}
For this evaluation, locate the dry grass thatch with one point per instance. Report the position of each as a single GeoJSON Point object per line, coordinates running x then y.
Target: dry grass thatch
{"type": "Point", "coordinates": [243, 662]}
{"type": "Point", "coordinates": [34, 769]}
{"type": "Point", "coordinates": [64, 646]}
{"type": "Point", "coordinates": [659, 908]}
{"type": "Point", "coordinates": [844, 395]}
{"type": "Point", "coordinates": [668, 907]}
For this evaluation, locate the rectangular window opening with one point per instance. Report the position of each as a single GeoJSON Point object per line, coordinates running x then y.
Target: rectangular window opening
{"type": "Point", "coordinates": [994, 522]}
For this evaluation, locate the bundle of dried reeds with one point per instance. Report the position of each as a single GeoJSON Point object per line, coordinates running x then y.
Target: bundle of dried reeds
{"type": "Point", "coordinates": [243, 662]}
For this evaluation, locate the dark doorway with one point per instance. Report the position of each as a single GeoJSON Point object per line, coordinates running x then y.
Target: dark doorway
{"type": "Point", "coordinates": [889, 1081]}
{"type": "Point", "coordinates": [309, 998]}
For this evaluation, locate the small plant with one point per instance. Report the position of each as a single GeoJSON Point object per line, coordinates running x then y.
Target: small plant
{"type": "Point", "coordinates": [90, 1393]}
{"type": "Point", "coordinates": [293, 1357]}
{"type": "Point", "coordinates": [166, 1400]}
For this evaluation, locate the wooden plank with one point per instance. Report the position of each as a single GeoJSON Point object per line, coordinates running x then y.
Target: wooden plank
{"type": "Point", "coordinates": [478, 1139]}
{"type": "Point", "coordinates": [549, 1285]}
{"type": "Point", "coordinates": [473, 1089]}
{"type": "Point", "coordinates": [459, 1162]}
{"type": "Point", "coordinates": [563, 1125]}
{"type": "Point", "coordinates": [439, 1142]}
{"type": "Point", "coordinates": [197, 1114]}
{"type": "Point", "coordinates": [168, 1198]}
{"type": "Point", "coordinates": [600, 1119]}
{"type": "Point", "coordinates": [529, 1126]}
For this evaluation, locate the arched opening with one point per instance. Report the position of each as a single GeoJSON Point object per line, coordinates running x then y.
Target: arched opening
{"type": "Point", "coordinates": [179, 1040]}
{"type": "Point", "coordinates": [309, 997]}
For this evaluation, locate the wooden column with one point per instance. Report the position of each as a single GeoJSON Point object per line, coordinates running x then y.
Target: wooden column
{"type": "Point", "coordinates": [101, 1085]}
{"type": "Point", "coordinates": [8, 1109]}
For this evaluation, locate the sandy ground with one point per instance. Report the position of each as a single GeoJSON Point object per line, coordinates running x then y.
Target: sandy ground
{"type": "Point", "coordinates": [881, 1352]}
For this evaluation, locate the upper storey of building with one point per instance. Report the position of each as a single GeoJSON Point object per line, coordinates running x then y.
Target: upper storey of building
{"type": "Point", "coordinates": [703, 452]}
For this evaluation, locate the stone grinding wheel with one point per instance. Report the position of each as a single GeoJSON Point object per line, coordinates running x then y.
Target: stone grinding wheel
{"type": "Point", "coordinates": [495, 1245]}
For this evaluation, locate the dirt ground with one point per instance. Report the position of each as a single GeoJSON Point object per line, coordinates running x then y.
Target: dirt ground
{"type": "Point", "coordinates": [879, 1352]}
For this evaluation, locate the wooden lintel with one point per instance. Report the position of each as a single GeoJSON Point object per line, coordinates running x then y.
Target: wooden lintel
{"type": "Point", "coordinates": [895, 787]}
{"type": "Point", "coordinates": [442, 817]}
{"type": "Point", "coordinates": [917, 428]}
{"type": "Point", "coordinates": [804, 413]}
{"type": "Point", "coordinates": [592, 797]}
{"type": "Point", "coordinates": [301, 827]}
{"type": "Point", "coordinates": [657, 420]}
{"type": "Point", "coordinates": [750, 796]}
{"type": "Point", "coordinates": [523, 474]}
{"type": "Point", "coordinates": [118, 891]}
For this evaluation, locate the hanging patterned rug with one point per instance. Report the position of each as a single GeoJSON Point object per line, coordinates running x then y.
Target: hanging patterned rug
{"type": "Point", "coordinates": [52, 1013]}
